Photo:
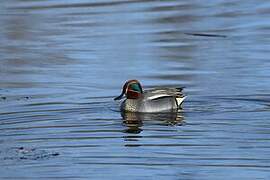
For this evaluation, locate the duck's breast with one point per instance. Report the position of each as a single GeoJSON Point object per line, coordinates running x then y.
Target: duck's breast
{"type": "Point", "coordinates": [131, 105]}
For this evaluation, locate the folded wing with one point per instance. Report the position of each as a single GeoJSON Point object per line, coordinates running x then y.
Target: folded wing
{"type": "Point", "coordinates": [157, 93]}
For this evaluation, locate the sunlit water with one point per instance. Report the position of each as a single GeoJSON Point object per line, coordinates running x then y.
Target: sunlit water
{"type": "Point", "coordinates": [62, 62]}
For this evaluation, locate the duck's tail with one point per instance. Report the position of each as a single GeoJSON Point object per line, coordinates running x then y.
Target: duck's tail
{"type": "Point", "coordinates": [180, 100]}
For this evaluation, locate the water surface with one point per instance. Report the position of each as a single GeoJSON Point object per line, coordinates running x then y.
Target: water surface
{"type": "Point", "coordinates": [62, 62]}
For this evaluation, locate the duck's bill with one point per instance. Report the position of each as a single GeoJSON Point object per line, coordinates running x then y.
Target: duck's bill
{"type": "Point", "coordinates": [119, 97]}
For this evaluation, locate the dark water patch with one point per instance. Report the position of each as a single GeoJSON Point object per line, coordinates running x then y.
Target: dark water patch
{"type": "Point", "coordinates": [79, 5]}
{"type": "Point", "coordinates": [23, 153]}
{"type": "Point", "coordinates": [17, 98]}
{"type": "Point", "coordinates": [3, 98]}
{"type": "Point", "coordinates": [206, 35]}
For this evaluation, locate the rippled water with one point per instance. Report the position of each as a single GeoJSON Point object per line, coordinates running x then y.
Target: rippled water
{"type": "Point", "coordinates": [62, 62]}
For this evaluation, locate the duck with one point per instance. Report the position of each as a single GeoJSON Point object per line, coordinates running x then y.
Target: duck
{"type": "Point", "coordinates": [164, 99]}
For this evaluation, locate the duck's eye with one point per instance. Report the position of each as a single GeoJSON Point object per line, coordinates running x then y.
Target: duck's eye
{"type": "Point", "coordinates": [135, 87]}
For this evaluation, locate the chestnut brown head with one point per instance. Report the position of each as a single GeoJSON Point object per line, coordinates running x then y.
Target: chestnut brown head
{"type": "Point", "coordinates": [132, 89]}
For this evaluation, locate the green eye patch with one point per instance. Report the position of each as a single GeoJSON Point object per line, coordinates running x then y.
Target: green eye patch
{"type": "Point", "coordinates": [136, 87]}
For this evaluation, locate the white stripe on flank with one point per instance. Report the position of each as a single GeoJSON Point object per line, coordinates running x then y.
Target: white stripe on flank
{"type": "Point", "coordinates": [158, 96]}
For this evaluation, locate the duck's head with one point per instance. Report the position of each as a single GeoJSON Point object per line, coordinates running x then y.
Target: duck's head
{"type": "Point", "coordinates": [132, 89]}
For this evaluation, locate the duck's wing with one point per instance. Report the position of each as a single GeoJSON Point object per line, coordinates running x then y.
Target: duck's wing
{"type": "Point", "coordinates": [157, 93]}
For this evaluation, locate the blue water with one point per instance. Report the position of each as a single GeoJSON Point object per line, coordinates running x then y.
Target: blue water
{"type": "Point", "coordinates": [63, 62]}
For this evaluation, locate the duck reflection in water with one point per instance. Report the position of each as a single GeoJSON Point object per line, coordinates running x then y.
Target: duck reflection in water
{"type": "Point", "coordinates": [135, 120]}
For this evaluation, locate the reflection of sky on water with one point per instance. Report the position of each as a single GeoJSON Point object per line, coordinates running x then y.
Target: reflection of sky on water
{"type": "Point", "coordinates": [62, 62]}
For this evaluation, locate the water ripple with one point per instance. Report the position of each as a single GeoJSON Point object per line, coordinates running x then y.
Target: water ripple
{"type": "Point", "coordinates": [63, 62]}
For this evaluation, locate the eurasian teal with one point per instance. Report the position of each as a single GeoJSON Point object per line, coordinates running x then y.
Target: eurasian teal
{"type": "Point", "coordinates": [153, 100]}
